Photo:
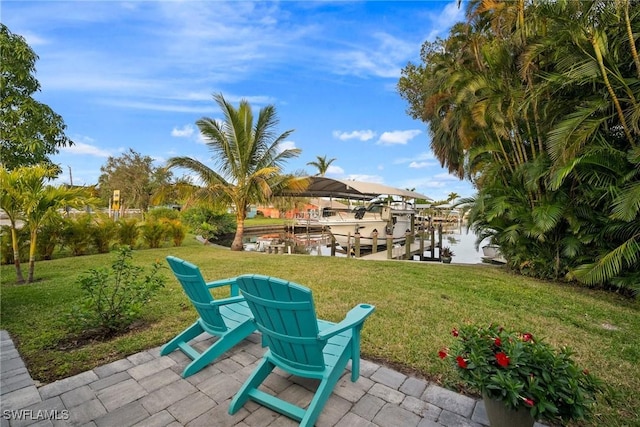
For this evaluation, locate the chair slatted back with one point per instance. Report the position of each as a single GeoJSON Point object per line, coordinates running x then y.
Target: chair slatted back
{"type": "Point", "coordinates": [195, 287]}
{"type": "Point", "coordinates": [285, 315]}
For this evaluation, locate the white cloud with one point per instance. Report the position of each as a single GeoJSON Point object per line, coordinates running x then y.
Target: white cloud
{"type": "Point", "coordinates": [287, 145]}
{"type": "Point", "coordinates": [85, 148]}
{"type": "Point", "coordinates": [385, 59]}
{"type": "Point", "coordinates": [376, 179]}
{"type": "Point", "coordinates": [334, 170]}
{"type": "Point", "coordinates": [424, 156]}
{"type": "Point", "coordinates": [185, 132]}
{"type": "Point", "coordinates": [362, 135]}
{"type": "Point", "coordinates": [419, 165]}
{"type": "Point", "coordinates": [398, 136]}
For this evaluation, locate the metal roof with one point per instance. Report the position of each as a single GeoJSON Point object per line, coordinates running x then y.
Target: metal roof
{"type": "Point", "coordinates": [329, 187]}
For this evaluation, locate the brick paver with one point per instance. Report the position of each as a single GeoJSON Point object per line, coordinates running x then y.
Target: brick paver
{"type": "Point", "coordinates": [146, 389]}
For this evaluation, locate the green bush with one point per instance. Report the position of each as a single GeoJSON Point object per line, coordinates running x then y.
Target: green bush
{"type": "Point", "coordinates": [156, 214]}
{"type": "Point", "coordinates": [103, 232]}
{"type": "Point", "coordinates": [209, 223]}
{"type": "Point", "coordinates": [113, 300]}
{"type": "Point", "coordinates": [76, 234]}
{"type": "Point", "coordinates": [177, 231]}
{"type": "Point", "coordinates": [7, 246]}
{"type": "Point", "coordinates": [128, 232]}
{"type": "Point", "coordinates": [49, 235]}
{"type": "Point", "coordinates": [153, 233]}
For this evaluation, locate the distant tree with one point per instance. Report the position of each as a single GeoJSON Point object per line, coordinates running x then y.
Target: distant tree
{"type": "Point", "coordinates": [249, 157]}
{"type": "Point", "coordinates": [29, 131]}
{"type": "Point", "coordinates": [322, 164]}
{"type": "Point", "coordinates": [136, 178]}
{"type": "Point", "coordinates": [452, 196]}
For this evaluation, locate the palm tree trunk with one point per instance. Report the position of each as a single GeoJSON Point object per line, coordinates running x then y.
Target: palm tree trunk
{"type": "Point", "coordinates": [632, 41]}
{"type": "Point", "coordinates": [32, 257]}
{"type": "Point", "coordinates": [614, 98]}
{"type": "Point", "coordinates": [16, 254]}
{"type": "Point", "coordinates": [237, 239]}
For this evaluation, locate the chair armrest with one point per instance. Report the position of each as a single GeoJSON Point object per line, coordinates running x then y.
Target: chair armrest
{"type": "Point", "coordinates": [356, 316]}
{"type": "Point", "coordinates": [227, 301]}
{"type": "Point", "coordinates": [235, 291]}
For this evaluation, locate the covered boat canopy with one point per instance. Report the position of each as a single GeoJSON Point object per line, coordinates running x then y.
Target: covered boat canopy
{"type": "Point", "coordinates": [329, 187]}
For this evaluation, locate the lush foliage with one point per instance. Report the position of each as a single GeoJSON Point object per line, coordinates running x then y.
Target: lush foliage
{"type": "Point", "coordinates": [113, 299]}
{"type": "Point", "coordinates": [29, 131]}
{"type": "Point", "coordinates": [208, 223]}
{"type": "Point", "coordinates": [249, 159]}
{"type": "Point", "coordinates": [25, 196]}
{"type": "Point", "coordinates": [522, 371]}
{"type": "Point", "coordinates": [537, 104]}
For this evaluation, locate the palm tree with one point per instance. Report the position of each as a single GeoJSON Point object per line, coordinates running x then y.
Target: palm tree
{"type": "Point", "coordinates": [322, 164]}
{"type": "Point", "coordinates": [39, 200]}
{"type": "Point", "coordinates": [249, 157]}
{"type": "Point", "coordinates": [10, 204]}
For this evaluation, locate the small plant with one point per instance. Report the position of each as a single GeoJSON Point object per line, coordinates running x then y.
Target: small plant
{"type": "Point", "coordinates": [128, 232]}
{"type": "Point", "coordinates": [522, 372]}
{"type": "Point", "coordinates": [113, 299]}
{"type": "Point", "coordinates": [447, 252]}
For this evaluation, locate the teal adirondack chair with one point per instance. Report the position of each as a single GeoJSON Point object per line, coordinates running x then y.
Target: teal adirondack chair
{"type": "Point", "coordinates": [229, 319]}
{"type": "Point", "coordinates": [299, 343]}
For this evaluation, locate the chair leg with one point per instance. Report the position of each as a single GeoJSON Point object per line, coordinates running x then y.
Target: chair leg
{"type": "Point", "coordinates": [185, 336]}
{"type": "Point", "coordinates": [322, 394]}
{"type": "Point", "coordinates": [222, 345]}
{"type": "Point", "coordinates": [253, 382]}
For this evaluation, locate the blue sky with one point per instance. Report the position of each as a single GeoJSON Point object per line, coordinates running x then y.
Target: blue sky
{"type": "Point", "coordinates": [139, 74]}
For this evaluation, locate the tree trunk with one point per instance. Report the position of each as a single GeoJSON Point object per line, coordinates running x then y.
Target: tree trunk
{"type": "Point", "coordinates": [237, 240]}
{"type": "Point", "coordinates": [32, 257]}
{"type": "Point", "coordinates": [16, 254]}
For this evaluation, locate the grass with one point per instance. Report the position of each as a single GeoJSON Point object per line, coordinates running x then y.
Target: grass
{"type": "Point", "coordinates": [417, 305]}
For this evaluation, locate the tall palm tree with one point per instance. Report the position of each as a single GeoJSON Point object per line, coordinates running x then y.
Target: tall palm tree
{"type": "Point", "coordinates": [322, 164]}
{"type": "Point", "coordinates": [249, 159]}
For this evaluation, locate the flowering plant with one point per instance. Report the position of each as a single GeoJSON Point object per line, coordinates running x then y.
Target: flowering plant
{"type": "Point", "coordinates": [522, 372]}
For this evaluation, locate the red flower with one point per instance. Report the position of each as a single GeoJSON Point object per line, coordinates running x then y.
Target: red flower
{"type": "Point", "coordinates": [442, 354]}
{"type": "Point", "coordinates": [502, 359]}
{"type": "Point", "coordinates": [461, 362]}
{"type": "Point", "coordinates": [527, 337]}
{"type": "Point", "coordinates": [454, 332]}
{"type": "Point", "coordinates": [497, 342]}
{"type": "Point", "coordinates": [529, 402]}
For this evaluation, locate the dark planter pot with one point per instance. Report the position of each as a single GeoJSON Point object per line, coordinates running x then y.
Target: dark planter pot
{"type": "Point", "coordinates": [501, 416]}
{"type": "Point", "coordinates": [446, 259]}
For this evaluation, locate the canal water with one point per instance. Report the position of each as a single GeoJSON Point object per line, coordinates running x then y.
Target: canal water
{"type": "Point", "coordinates": [459, 238]}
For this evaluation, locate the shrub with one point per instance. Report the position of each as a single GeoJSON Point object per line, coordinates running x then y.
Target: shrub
{"type": "Point", "coordinates": [113, 300]}
{"type": "Point", "coordinates": [76, 234]}
{"type": "Point", "coordinates": [177, 231]}
{"type": "Point", "coordinates": [7, 246]}
{"type": "Point", "coordinates": [156, 214]}
{"type": "Point", "coordinates": [153, 232]}
{"type": "Point", "coordinates": [49, 235]}
{"type": "Point", "coordinates": [208, 223]}
{"type": "Point", "coordinates": [103, 233]}
{"type": "Point", "coordinates": [128, 232]}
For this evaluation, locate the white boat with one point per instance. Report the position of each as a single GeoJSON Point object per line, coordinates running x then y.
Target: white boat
{"type": "Point", "coordinates": [492, 254]}
{"type": "Point", "coordinates": [375, 219]}
{"type": "Point", "coordinates": [391, 218]}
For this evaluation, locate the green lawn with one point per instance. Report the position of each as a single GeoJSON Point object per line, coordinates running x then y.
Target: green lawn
{"type": "Point", "coordinates": [417, 305]}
